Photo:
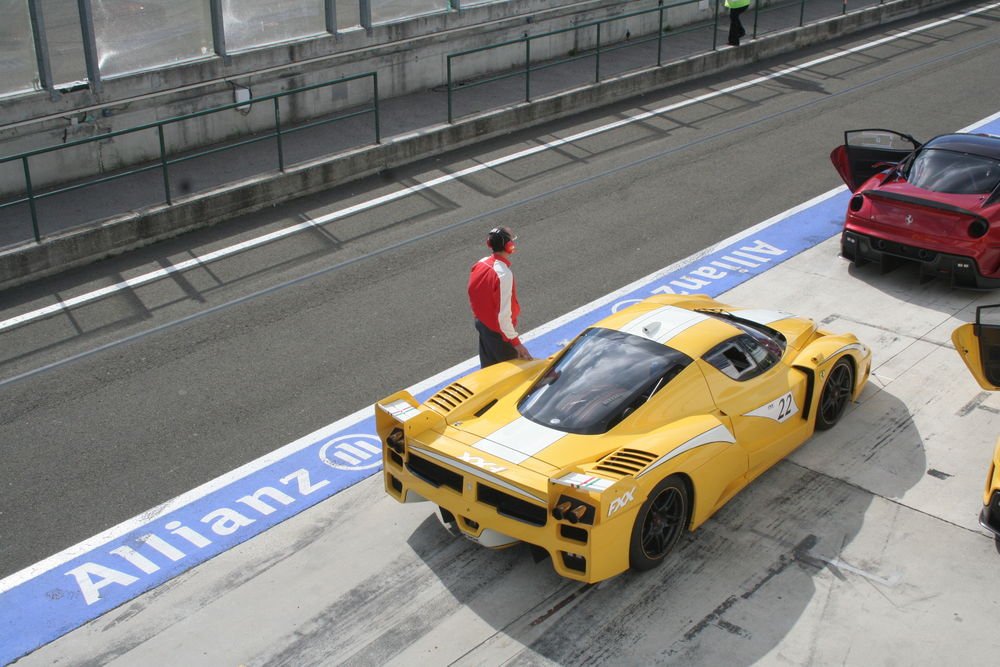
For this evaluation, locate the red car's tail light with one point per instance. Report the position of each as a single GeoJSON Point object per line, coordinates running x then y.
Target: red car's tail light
{"type": "Point", "coordinates": [978, 228]}
{"type": "Point", "coordinates": [857, 201]}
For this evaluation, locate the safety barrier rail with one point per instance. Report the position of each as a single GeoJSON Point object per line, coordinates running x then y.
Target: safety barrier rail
{"type": "Point", "coordinates": [594, 52]}
{"type": "Point", "coordinates": [663, 32]}
{"type": "Point", "coordinates": [758, 10]}
{"type": "Point", "coordinates": [164, 162]}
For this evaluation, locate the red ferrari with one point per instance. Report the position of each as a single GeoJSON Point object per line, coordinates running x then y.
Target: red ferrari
{"type": "Point", "coordinates": [936, 204]}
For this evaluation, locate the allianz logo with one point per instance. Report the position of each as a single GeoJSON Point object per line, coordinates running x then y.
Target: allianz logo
{"type": "Point", "coordinates": [153, 554]}
{"type": "Point", "coordinates": [745, 259]}
{"type": "Point", "coordinates": [357, 451]}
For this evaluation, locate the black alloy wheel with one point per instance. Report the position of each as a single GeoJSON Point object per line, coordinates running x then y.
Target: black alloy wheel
{"type": "Point", "coordinates": [836, 395]}
{"type": "Point", "coordinates": [659, 524]}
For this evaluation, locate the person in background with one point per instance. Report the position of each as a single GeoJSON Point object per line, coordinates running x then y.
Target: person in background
{"type": "Point", "coordinates": [493, 298]}
{"type": "Point", "coordinates": [736, 30]}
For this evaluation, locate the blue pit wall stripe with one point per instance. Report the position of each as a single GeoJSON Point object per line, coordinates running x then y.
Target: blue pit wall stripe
{"type": "Point", "coordinates": [47, 600]}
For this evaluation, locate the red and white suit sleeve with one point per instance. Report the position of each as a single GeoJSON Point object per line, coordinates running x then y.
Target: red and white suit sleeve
{"type": "Point", "coordinates": [504, 316]}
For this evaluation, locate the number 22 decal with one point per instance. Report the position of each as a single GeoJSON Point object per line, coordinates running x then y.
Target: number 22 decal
{"type": "Point", "coordinates": [786, 407]}
{"type": "Point", "coordinates": [780, 409]}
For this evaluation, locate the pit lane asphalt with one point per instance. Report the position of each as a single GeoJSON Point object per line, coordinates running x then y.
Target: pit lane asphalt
{"type": "Point", "coordinates": [91, 443]}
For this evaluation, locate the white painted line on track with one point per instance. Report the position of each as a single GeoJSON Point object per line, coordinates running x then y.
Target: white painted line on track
{"type": "Point", "coordinates": [978, 123]}
{"type": "Point", "coordinates": [152, 276]}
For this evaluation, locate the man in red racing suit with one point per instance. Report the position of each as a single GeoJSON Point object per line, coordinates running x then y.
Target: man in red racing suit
{"type": "Point", "coordinates": [493, 297]}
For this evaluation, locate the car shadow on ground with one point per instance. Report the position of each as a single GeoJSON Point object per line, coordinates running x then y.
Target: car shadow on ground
{"type": "Point", "coordinates": [728, 594]}
{"type": "Point", "coordinates": [905, 282]}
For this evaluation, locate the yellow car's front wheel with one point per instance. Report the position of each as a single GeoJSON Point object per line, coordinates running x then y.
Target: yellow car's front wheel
{"type": "Point", "coordinates": [659, 524]}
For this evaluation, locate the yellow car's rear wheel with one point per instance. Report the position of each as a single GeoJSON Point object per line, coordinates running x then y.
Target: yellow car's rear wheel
{"type": "Point", "coordinates": [836, 394]}
{"type": "Point", "coordinates": [659, 524]}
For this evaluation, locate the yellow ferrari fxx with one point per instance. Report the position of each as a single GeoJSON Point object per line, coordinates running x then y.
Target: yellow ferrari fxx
{"type": "Point", "coordinates": [640, 428]}
{"type": "Point", "coordinates": [979, 346]}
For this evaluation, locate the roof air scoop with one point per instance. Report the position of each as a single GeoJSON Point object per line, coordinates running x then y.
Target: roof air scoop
{"type": "Point", "coordinates": [649, 330]}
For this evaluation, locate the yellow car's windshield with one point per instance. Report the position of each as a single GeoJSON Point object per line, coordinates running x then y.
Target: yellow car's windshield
{"type": "Point", "coordinates": [597, 382]}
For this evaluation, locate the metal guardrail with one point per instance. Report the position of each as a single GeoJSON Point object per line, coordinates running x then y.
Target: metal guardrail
{"type": "Point", "coordinates": [164, 162]}
{"type": "Point", "coordinates": [758, 10]}
{"type": "Point", "coordinates": [599, 48]}
{"type": "Point", "coordinates": [594, 52]}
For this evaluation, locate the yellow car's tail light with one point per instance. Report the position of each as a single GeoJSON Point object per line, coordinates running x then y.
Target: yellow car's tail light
{"type": "Point", "coordinates": [575, 514]}
{"type": "Point", "coordinates": [573, 510]}
{"type": "Point", "coordinates": [395, 440]}
{"type": "Point", "coordinates": [559, 511]}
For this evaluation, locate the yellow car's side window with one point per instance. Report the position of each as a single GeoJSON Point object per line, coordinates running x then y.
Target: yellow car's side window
{"type": "Point", "coordinates": [741, 358]}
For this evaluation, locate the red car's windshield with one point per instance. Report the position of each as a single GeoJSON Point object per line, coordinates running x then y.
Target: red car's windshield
{"type": "Point", "coordinates": [951, 172]}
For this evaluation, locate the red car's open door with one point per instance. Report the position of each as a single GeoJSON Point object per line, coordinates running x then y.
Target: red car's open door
{"type": "Point", "coordinates": [867, 152]}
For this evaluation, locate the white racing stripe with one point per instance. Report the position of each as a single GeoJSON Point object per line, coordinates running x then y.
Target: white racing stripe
{"type": "Point", "coordinates": [197, 261]}
{"type": "Point", "coordinates": [519, 440]}
{"type": "Point", "coordinates": [710, 437]}
{"type": "Point", "coordinates": [663, 324]}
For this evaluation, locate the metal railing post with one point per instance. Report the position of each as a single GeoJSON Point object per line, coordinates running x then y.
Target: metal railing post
{"type": "Point", "coordinates": [31, 199]}
{"type": "Point", "coordinates": [756, 13]}
{"type": "Point", "coordinates": [41, 42]}
{"type": "Point", "coordinates": [378, 124]}
{"type": "Point", "coordinates": [330, 16]}
{"type": "Point", "coordinates": [90, 55]}
{"type": "Point", "coordinates": [277, 135]}
{"type": "Point", "coordinates": [164, 165]}
{"type": "Point", "coordinates": [659, 37]}
{"type": "Point", "coordinates": [527, 68]}
{"type": "Point", "coordinates": [715, 27]}
{"type": "Point", "coordinates": [451, 117]}
{"type": "Point", "coordinates": [218, 30]}
{"type": "Point", "coordinates": [597, 59]}
{"type": "Point", "coordinates": [802, 12]}
{"type": "Point", "coordinates": [365, 15]}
